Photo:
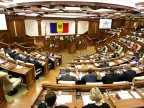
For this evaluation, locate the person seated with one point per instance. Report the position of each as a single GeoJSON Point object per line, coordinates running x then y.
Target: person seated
{"type": "Point", "coordinates": [50, 61]}
{"type": "Point", "coordinates": [128, 74]}
{"type": "Point", "coordinates": [104, 64]}
{"type": "Point", "coordinates": [95, 95]}
{"type": "Point", "coordinates": [116, 54]}
{"type": "Point", "coordinates": [90, 77]}
{"type": "Point", "coordinates": [17, 57]}
{"type": "Point", "coordinates": [27, 59]}
{"type": "Point", "coordinates": [110, 77]}
{"type": "Point", "coordinates": [71, 40]}
{"type": "Point", "coordinates": [67, 76]}
{"type": "Point", "coordinates": [129, 43]}
{"type": "Point", "coordinates": [37, 64]}
{"type": "Point", "coordinates": [134, 47]}
{"type": "Point", "coordinates": [50, 101]}
{"type": "Point", "coordinates": [7, 50]}
{"type": "Point", "coordinates": [136, 58]}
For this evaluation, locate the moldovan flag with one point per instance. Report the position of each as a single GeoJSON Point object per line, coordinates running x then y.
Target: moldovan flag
{"type": "Point", "coordinates": [53, 28]}
{"type": "Point", "coordinates": [59, 26]}
{"type": "Point", "coordinates": [65, 27]}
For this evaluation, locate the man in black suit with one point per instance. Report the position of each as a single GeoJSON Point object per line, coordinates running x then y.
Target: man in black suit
{"type": "Point", "coordinates": [110, 77]}
{"type": "Point", "coordinates": [104, 64]}
{"type": "Point", "coordinates": [127, 75]}
{"type": "Point", "coordinates": [67, 76]}
{"type": "Point", "coordinates": [90, 77]}
{"type": "Point", "coordinates": [8, 51]}
{"type": "Point", "coordinates": [37, 64]}
{"type": "Point", "coordinates": [17, 57]}
{"type": "Point", "coordinates": [27, 59]}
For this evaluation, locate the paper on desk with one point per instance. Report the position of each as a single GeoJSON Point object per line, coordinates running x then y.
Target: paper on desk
{"type": "Point", "coordinates": [90, 66]}
{"type": "Point", "coordinates": [79, 66]}
{"type": "Point", "coordinates": [124, 95]}
{"type": "Point", "coordinates": [19, 67]}
{"type": "Point", "coordinates": [96, 64]}
{"type": "Point", "coordinates": [102, 74]}
{"type": "Point", "coordinates": [42, 62]}
{"type": "Point", "coordinates": [86, 99]}
{"type": "Point", "coordinates": [62, 99]}
{"type": "Point", "coordinates": [135, 94]}
{"type": "Point", "coordinates": [87, 61]}
{"type": "Point", "coordinates": [119, 61]}
{"type": "Point", "coordinates": [2, 61]}
{"type": "Point", "coordinates": [112, 63]}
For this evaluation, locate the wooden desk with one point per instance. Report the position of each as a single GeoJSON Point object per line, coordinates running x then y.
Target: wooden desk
{"type": "Point", "coordinates": [125, 103]}
{"type": "Point", "coordinates": [2, 96]}
{"type": "Point", "coordinates": [71, 48]}
{"type": "Point", "coordinates": [19, 70]}
{"type": "Point", "coordinates": [110, 98]}
{"type": "Point", "coordinates": [82, 46]}
{"type": "Point", "coordinates": [54, 49]}
{"type": "Point", "coordinates": [60, 94]}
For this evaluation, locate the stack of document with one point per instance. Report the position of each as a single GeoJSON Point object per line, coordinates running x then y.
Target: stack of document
{"type": "Point", "coordinates": [62, 99]}
{"type": "Point", "coordinates": [19, 67]}
{"type": "Point", "coordinates": [87, 100]}
{"type": "Point", "coordinates": [124, 95]}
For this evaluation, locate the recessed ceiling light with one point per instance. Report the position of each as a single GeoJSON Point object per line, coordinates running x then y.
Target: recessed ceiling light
{"type": "Point", "coordinates": [72, 8]}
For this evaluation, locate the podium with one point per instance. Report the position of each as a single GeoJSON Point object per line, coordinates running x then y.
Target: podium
{"type": "Point", "coordinates": [71, 48]}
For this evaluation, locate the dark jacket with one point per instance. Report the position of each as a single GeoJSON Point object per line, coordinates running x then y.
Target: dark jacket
{"type": "Point", "coordinates": [110, 78]}
{"type": "Point", "coordinates": [93, 105]}
{"type": "Point", "coordinates": [67, 77]}
{"type": "Point", "coordinates": [27, 60]}
{"type": "Point", "coordinates": [127, 75]}
{"type": "Point", "coordinates": [103, 65]}
{"type": "Point", "coordinates": [89, 78]}
{"type": "Point", "coordinates": [37, 64]}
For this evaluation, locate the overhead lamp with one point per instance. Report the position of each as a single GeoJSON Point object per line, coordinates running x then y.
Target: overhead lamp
{"type": "Point", "coordinates": [72, 8]}
{"type": "Point", "coordinates": [32, 14]}
{"type": "Point", "coordinates": [20, 13]}
{"type": "Point", "coordinates": [117, 13]}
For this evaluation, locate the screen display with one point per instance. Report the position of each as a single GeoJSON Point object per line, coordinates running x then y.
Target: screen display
{"type": "Point", "coordinates": [105, 23]}
{"type": "Point", "coordinates": [3, 24]}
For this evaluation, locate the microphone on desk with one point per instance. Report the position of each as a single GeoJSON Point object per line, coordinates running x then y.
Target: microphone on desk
{"type": "Point", "coordinates": [132, 86]}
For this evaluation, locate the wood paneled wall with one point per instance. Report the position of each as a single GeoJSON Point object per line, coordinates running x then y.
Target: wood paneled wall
{"type": "Point", "coordinates": [16, 28]}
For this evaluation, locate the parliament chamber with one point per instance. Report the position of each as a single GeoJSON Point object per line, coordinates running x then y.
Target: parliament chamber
{"type": "Point", "coordinates": [66, 49]}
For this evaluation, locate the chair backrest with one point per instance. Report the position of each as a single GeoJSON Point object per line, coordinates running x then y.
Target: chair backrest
{"type": "Point", "coordinates": [7, 84]}
{"type": "Point", "coordinates": [19, 61]}
{"type": "Point", "coordinates": [66, 82]}
{"type": "Point", "coordinates": [94, 83]}
{"type": "Point", "coordinates": [139, 78]}
{"type": "Point", "coordinates": [29, 64]}
{"type": "Point", "coordinates": [120, 82]}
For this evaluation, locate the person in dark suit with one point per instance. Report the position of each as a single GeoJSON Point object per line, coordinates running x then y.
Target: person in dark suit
{"type": "Point", "coordinates": [95, 95]}
{"type": "Point", "coordinates": [17, 57]}
{"type": "Point", "coordinates": [50, 61]}
{"type": "Point", "coordinates": [90, 77]}
{"type": "Point", "coordinates": [27, 59]}
{"type": "Point", "coordinates": [71, 40]}
{"type": "Point", "coordinates": [110, 77]}
{"type": "Point", "coordinates": [37, 64]}
{"type": "Point", "coordinates": [104, 64]}
{"type": "Point", "coordinates": [8, 50]}
{"type": "Point", "coordinates": [50, 100]}
{"type": "Point", "coordinates": [67, 76]}
{"type": "Point", "coordinates": [127, 75]}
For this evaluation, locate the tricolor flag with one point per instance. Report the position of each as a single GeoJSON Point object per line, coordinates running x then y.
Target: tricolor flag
{"type": "Point", "coordinates": [59, 27]}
